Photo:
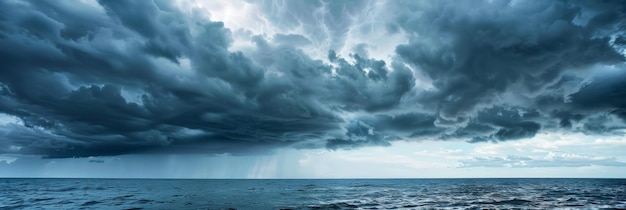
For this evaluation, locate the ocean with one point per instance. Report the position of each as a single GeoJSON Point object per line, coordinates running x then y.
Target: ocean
{"type": "Point", "coordinates": [17, 193]}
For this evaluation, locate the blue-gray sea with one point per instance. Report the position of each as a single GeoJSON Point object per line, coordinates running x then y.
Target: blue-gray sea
{"type": "Point", "coordinates": [312, 193]}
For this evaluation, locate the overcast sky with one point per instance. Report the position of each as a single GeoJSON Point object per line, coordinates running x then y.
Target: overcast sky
{"type": "Point", "coordinates": [312, 89]}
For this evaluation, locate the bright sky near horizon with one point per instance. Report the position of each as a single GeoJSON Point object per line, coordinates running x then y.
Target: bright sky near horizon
{"type": "Point", "coordinates": [312, 89]}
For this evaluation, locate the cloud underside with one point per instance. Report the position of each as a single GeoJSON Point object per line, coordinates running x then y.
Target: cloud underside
{"type": "Point", "coordinates": [123, 77]}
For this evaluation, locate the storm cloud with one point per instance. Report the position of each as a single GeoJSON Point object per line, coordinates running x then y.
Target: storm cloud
{"type": "Point", "coordinates": [99, 78]}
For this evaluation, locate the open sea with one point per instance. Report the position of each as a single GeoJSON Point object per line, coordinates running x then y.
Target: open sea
{"type": "Point", "coordinates": [312, 193]}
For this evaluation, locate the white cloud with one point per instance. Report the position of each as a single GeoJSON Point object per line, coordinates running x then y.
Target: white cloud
{"type": "Point", "coordinates": [7, 159]}
{"type": "Point", "coordinates": [546, 142]}
{"type": "Point", "coordinates": [551, 150]}
{"type": "Point", "coordinates": [549, 160]}
{"type": "Point", "coordinates": [6, 119]}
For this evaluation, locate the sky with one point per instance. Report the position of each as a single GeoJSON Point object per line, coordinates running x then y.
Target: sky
{"type": "Point", "coordinates": [312, 89]}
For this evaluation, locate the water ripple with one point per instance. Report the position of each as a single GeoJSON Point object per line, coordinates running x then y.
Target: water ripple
{"type": "Point", "coordinates": [313, 194]}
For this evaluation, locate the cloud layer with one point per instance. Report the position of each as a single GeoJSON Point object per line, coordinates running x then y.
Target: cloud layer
{"type": "Point", "coordinates": [109, 78]}
{"type": "Point", "coordinates": [550, 160]}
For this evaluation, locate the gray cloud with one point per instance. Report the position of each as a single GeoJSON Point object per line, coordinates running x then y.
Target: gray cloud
{"type": "Point", "coordinates": [474, 57]}
{"type": "Point", "coordinates": [325, 22]}
{"type": "Point", "coordinates": [111, 79]}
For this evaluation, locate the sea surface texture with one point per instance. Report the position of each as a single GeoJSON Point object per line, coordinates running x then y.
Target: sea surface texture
{"type": "Point", "coordinates": [313, 194]}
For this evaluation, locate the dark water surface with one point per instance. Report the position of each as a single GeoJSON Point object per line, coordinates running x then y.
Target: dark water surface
{"type": "Point", "coordinates": [313, 194]}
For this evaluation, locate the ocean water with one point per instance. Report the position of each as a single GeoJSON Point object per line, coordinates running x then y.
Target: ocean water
{"type": "Point", "coordinates": [313, 194]}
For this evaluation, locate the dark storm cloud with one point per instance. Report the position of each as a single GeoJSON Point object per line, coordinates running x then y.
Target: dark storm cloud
{"type": "Point", "coordinates": [475, 55]}
{"type": "Point", "coordinates": [119, 77]}
{"type": "Point", "coordinates": [69, 91]}
{"type": "Point", "coordinates": [528, 55]}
